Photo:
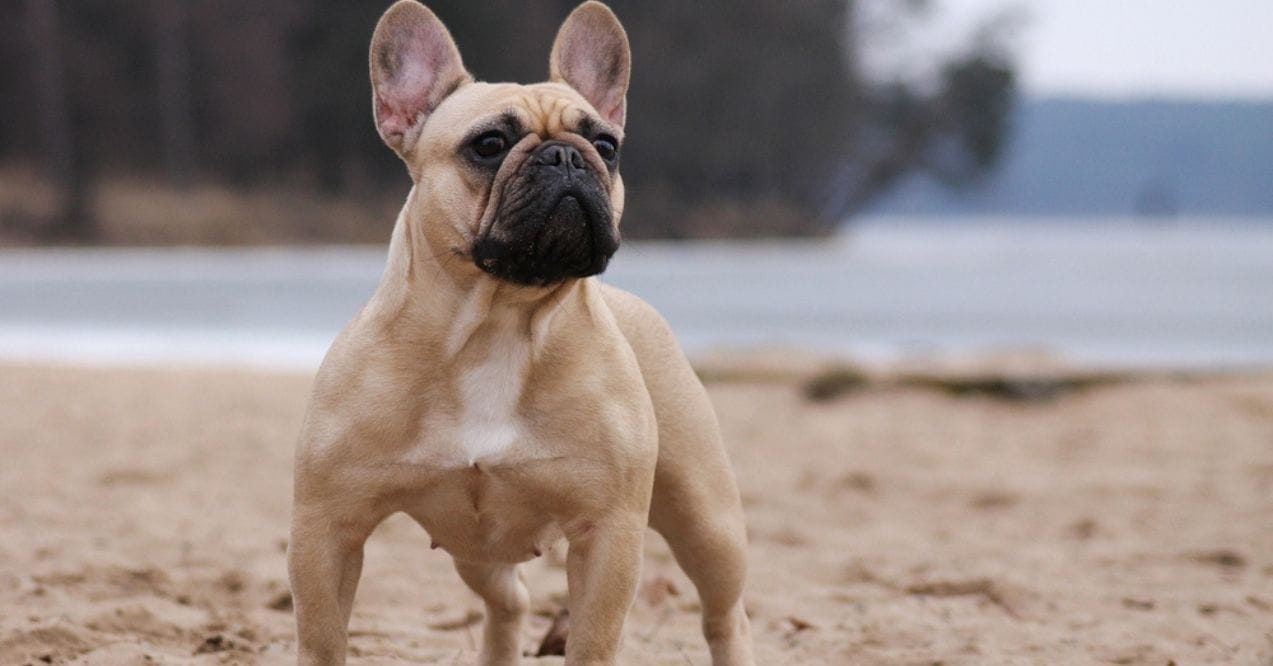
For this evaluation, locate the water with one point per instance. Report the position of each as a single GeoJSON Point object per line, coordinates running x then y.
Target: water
{"type": "Point", "coordinates": [1196, 293]}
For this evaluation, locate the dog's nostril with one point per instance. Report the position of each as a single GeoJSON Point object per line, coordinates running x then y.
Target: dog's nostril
{"type": "Point", "coordinates": [551, 156]}
{"type": "Point", "coordinates": [562, 156]}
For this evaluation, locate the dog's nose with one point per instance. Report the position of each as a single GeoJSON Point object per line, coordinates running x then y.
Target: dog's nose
{"type": "Point", "coordinates": [560, 155]}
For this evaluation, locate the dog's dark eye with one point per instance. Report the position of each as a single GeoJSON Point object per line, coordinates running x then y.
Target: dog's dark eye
{"type": "Point", "coordinates": [607, 147]}
{"type": "Point", "coordinates": [490, 145]}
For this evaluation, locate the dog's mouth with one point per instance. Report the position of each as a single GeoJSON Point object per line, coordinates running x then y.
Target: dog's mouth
{"type": "Point", "coordinates": [566, 239]}
{"type": "Point", "coordinates": [570, 235]}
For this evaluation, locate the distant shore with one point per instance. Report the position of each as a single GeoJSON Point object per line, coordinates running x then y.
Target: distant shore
{"type": "Point", "coordinates": [894, 519]}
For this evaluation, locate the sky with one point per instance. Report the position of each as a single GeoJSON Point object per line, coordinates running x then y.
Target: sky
{"type": "Point", "coordinates": [1118, 48]}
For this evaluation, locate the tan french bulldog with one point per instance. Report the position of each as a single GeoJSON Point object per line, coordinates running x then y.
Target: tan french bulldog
{"type": "Point", "coordinates": [493, 389]}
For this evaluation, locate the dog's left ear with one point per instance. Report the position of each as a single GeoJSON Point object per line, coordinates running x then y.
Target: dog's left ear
{"type": "Point", "coordinates": [591, 55]}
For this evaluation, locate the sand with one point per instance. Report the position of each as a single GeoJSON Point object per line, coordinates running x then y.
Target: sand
{"type": "Point", "coordinates": [144, 512]}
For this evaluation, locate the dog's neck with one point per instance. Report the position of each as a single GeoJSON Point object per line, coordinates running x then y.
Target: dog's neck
{"type": "Point", "coordinates": [426, 298]}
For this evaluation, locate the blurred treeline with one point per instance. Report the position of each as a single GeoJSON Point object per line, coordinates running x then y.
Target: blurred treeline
{"type": "Point", "coordinates": [249, 121]}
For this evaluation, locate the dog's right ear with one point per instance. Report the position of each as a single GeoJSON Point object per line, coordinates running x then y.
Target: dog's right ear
{"type": "Point", "coordinates": [414, 66]}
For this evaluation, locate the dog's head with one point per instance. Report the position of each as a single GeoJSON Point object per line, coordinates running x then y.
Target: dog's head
{"type": "Point", "coordinates": [521, 179]}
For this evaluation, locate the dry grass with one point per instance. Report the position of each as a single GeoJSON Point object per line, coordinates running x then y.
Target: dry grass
{"type": "Point", "coordinates": [24, 198]}
{"type": "Point", "coordinates": [136, 211]}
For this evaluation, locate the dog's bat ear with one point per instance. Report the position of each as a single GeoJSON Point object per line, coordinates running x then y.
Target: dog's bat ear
{"type": "Point", "coordinates": [414, 66]}
{"type": "Point", "coordinates": [591, 55]}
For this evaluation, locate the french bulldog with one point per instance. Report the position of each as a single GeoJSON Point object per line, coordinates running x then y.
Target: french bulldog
{"type": "Point", "coordinates": [493, 388]}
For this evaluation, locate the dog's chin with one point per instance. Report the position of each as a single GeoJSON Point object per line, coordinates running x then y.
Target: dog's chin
{"type": "Point", "coordinates": [573, 240]}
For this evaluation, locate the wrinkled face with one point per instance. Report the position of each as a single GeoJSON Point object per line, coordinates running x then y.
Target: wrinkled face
{"type": "Point", "coordinates": [521, 180]}
{"type": "Point", "coordinates": [528, 179]}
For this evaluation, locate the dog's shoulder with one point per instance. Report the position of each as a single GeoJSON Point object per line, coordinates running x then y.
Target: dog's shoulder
{"type": "Point", "coordinates": [646, 331]}
{"type": "Point", "coordinates": [634, 315]}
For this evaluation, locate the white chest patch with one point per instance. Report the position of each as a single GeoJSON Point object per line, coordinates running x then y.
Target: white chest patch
{"type": "Point", "coordinates": [489, 393]}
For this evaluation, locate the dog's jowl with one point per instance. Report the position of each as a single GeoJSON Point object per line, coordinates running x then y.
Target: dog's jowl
{"type": "Point", "coordinates": [492, 388]}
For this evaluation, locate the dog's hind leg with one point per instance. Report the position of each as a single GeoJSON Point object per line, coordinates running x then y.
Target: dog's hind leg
{"type": "Point", "coordinates": [695, 506]}
{"type": "Point", "coordinates": [507, 602]}
{"type": "Point", "coordinates": [701, 518]}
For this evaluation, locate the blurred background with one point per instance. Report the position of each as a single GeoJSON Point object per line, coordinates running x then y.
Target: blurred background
{"type": "Point", "coordinates": [879, 179]}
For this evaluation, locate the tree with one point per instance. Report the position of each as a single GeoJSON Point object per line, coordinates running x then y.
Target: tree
{"type": "Point", "coordinates": [63, 163]}
{"type": "Point", "coordinates": [172, 59]}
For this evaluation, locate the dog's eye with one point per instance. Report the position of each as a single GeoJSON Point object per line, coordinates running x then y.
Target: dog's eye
{"type": "Point", "coordinates": [607, 147]}
{"type": "Point", "coordinates": [489, 145]}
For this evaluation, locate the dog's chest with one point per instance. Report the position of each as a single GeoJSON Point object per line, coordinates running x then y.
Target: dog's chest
{"type": "Point", "coordinates": [470, 495]}
{"type": "Point", "coordinates": [485, 423]}
{"type": "Point", "coordinates": [488, 423]}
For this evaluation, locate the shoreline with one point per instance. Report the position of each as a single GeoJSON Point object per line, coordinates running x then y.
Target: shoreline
{"type": "Point", "coordinates": [760, 366]}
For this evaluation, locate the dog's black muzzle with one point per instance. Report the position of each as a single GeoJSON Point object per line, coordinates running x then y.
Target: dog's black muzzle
{"type": "Point", "coordinates": [554, 221]}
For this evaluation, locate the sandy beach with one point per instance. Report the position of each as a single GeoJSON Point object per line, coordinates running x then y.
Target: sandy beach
{"type": "Point", "coordinates": [144, 514]}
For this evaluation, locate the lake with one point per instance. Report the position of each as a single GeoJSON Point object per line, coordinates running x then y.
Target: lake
{"type": "Point", "coordinates": [1193, 293]}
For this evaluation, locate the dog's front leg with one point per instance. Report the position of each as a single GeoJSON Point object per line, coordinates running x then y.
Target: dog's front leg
{"type": "Point", "coordinates": [602, 570]}
{"type": "Point", "coordinates": [324, 561]}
